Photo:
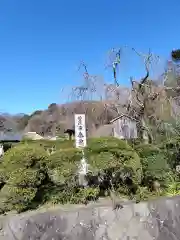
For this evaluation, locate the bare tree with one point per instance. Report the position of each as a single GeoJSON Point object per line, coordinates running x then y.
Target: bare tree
{"type": "Point", "coordinates": [91, 88]}
{"type": "Point", "coordinates": [141, 99]}
{"type": "Point", "coordinates": [114, 60]}
{"type": "Point", "coordinates": [149, 97]}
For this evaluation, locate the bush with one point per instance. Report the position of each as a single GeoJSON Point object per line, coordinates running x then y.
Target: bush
{"type": "Point", "coordinates": [173, 143]}
{"type": "Point", "coordinates": [114, 160]}
{"type": "Point", "coordinates": [29, 176]}
{"type": "Point", "coordinates": [71, 155]}
{"type": "Point", "coordinates": [83, 195]}
{"type": "Point", "coordinates": [154, 164]}
{"type": "Point", "coordinates": [23, 177]}
{"type": "Point", "coordinates": [145, 150]}
{"type": "Point", "coordinates": [56, 195]}
{"type": "Point", "coordinates": [23, 156]}
{"type": "Point", "coordinates": [3, 176]}
{"type": "Point", "coordinates": [172, 150]}
{"type": "Point", "coordinates": [22, 171]}
{"type": "Point", "coordinates": [46, 144]}
{"type": "Point", "coordinates": [65, 174]}
{"type": "Point", "coordinates": [97, 145]}
{"type": "Point", "coordinates": [108, 157]}
{"type": "Point", "coordinates": [62, 165]}
{"type": "Point", "coordinates": [27, 169]}
{"type": "Point", "coordinates": [172, 188]}
{"type": "Point", "coordinates": [16, 198]}
{"type": "Point", "coordinates": [20, 189]}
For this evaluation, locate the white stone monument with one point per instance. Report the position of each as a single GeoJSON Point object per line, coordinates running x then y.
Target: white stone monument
{"type": "Point", "coordinates": [1, 150]}
{"type": "Point", "coordinates": [83, 170]}
{"type": "Point", "coordinates": [80, 130]}
{"type": "Point", "coordinates": [81, 142]}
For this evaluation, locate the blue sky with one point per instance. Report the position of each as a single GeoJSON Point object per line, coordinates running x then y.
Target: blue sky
{"type": "Point", "coordinates": [43, 41]}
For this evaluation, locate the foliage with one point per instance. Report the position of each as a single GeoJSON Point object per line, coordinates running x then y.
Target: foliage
{"type": "Point", "coordinates": [30, 177]}
{"type": "Point", "coordinates": [47, 144]}
{"type": "Point", "coordinates": [172, 151]}
{"type": "Point", "coordinates": [173, 189]}
{"type": "Point", "coordinates": [22, 171]}
{"type": "Point", "coordinates": [142, 193]}
{"type": "Point", "coordinates": [145, 150]}
{"type": "Point", "coordinates": [64, 155]}
{"type": "Point", "coordinates": [103, 144]}
{"type": "Point", "coordinates": [154, 164]}
{"type": "Point", "coordinates": [83, 195]}
{"type": "Point", "coordinates": [113, 161]}
{"type": "Point", "coordinates": [62, 166]}
{"type": "Point", "coordinates": [71, 195]}
{"type": "Point", "coordinates": [16, 198]}
{"type": "Point", "coordinates": [23, 156]}
{"type": "Point", "coordinates": [24, 178]}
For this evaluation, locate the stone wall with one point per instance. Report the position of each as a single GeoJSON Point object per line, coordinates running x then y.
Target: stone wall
{"type": "Point", "coordinates": [158, 219]}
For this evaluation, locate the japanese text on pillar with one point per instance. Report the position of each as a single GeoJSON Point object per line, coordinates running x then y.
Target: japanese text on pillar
{"type": "Point", "coordinates": [80, 130]}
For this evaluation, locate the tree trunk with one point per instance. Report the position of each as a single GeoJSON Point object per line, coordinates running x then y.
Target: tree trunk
{"type": "Point", "coordinates": [143, 132]}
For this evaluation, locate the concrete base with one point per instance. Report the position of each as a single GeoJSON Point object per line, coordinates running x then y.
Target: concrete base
{"type": "Point", "coordinates": [153, 220]}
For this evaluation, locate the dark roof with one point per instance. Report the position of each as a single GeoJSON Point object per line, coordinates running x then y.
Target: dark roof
{"type": "Point", "coordinates": [122, 115]}
{"type": "Point", "coordinates": [11, 136]}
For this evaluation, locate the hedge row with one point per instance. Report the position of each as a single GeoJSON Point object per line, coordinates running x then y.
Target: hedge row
{"type": "Point", "coordinates": [29, 176]}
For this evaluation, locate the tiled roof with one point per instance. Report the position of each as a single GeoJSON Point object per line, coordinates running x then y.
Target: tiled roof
{"type": "Point", "coordinates": [10, 136]}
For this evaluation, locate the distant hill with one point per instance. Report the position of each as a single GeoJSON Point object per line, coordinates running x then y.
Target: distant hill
{"type": "Point", "coordinates": [57, 118]}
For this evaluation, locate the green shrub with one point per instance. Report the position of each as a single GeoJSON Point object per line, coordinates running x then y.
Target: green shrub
{"type": "Point", "coordinates": [58, 195]}
{"type": "Point", "coordinates": [172, 150]}
{"type": "Point", "coordinates": [57, 144]}
{"type": "Point", "coordinates": [63, 174]}
{"type": "Point", "coordinates": [171, 144]}
{"type": "Point", "coordinates": [123, 162]}
{"type": "Point", "coordinates": [20, 189]}
{"type": "Point", "coordinates": [97, 145]}
{"type": "Point", "coordinates": [145, 150]}
{"type": "Point", "coordinates": [63, 165]}
{"type": "Point", "coordinates": [22, 171]}
{"type": "Point", "coordinates": [114, 159]}
{"type": "Point", "coordinates": [172, 188]}
{"type": "Point", "coordinates": [134, 142]}
{"type": "Point", "coordinates": [157, 168]}
{"type": "Point", "coordinates": [83, 195]}
{"type": "Point", "coordinates": [29, 175]}
{"type": "Point", "coordinates": [23, 177]}
{"type": "Point", "coordinates": [23, 156]}
{"type": "Point", "coordinates": [143, 194]}
{"type": "Point", "coordinates": [16, 198]}
{"type": "Point", "coordinates": [154, 164]}
{"type": "Point", "coordinates": [65, 155]}
{"type": "Point", "coordinates": [3, 176]}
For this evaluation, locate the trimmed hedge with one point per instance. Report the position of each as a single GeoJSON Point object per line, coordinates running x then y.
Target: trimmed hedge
{"type": "Point", "coordinates": [16, 198]}
{"type": "Point", "coordinates": [145, 150]}
{"type": "Point", "coordinates": [22, 171]}
{"type": "Point", "coordinates": [57, 144]}
{"type": "Point", "coordinates": [23, 156]}
{"type": "Point", "coordinates": [24, 177]}
{"type": "Point", "coordinates": [62, 166]}
{"type": "Point", "coordinates": [29, 176]}
{"type": "Point", "coordinates": [97, 145]}
{"type": "Point", "coordinates": [114, 159]}
{"type": "Point", "coordinates": [154, 164]}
